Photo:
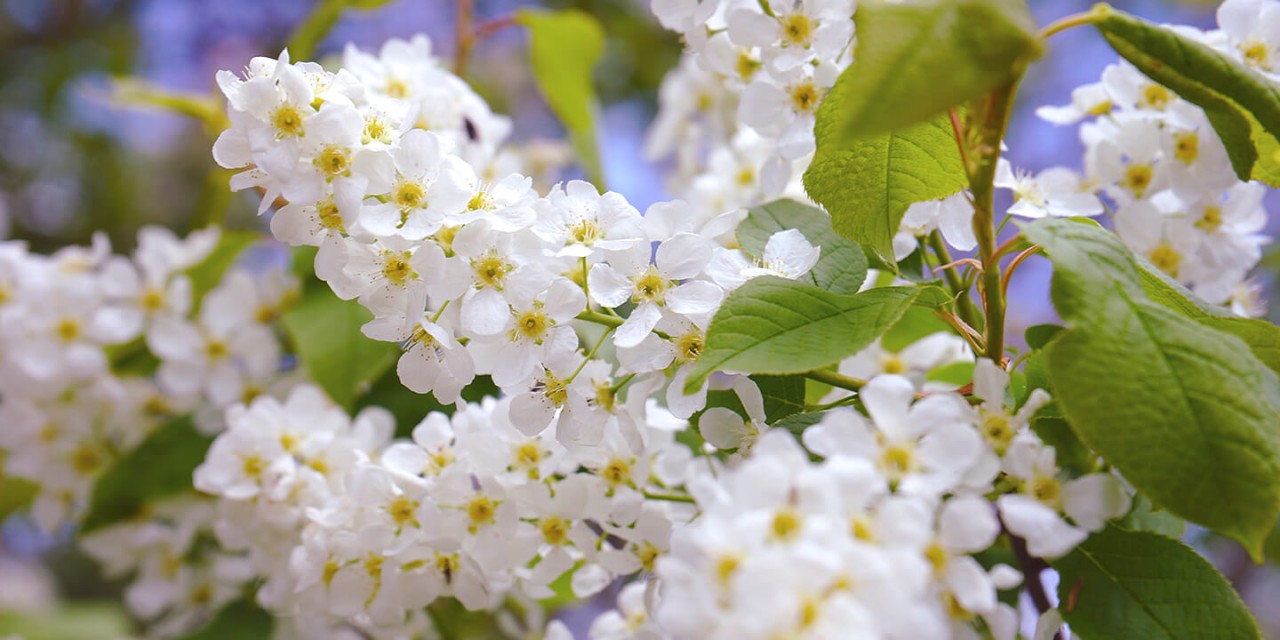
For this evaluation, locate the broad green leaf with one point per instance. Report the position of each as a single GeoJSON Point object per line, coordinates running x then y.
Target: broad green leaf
{"type": "Point", "coordinates": [1071, 454]}
{"type": "Point", "coordinates": [1145, 517]}
{"type": "Point", "coordinates": [564, 47]}
{"type": "Point", "coordinates": [956, 373]}
{"type": "Point", "coordinates": [206, 275]}
{"type": "Point", "coordinates": [325, 332]}
{"type": "Point", "coordinates": [915, 60]}
{"type": "Point", "coordinates": [1184, 411]}
{"type": "Point", "coordinates": [158, 468]}
{"type": "Point", "coordinates": [242, 620]}
{"type": "Point", "coordinates": [783, 395]}
{"type": "Point", "coordinates": [1137, 584]}
{"type": "Point", "coordinates": [867, 185]}
{"type": "Point", "coordinates": [796, 423]}
{"type": "Point", "coordinates": [1262, 337]}
{"type": "Point", "coordinates": [842, 267]}
{"type": "Point", "coordinates": [1242, 106]}
{"type": "Point", "coordinates": [919, 321]}
{"type": "Point", "coordinates": [777, 326]}
{"type": "Point", "coordinates": [1038, 336]}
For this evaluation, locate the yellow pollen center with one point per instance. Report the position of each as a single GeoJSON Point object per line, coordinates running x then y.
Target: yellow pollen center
{"type": "Point", "coordinates": [1166, 259]}
{"type": "Point", "coordinates": [396, 268]}
{"type": "Point", "coordinates": [585, 232]}
{"type": "Point", "coordinates": [617, 472]}
{"type": "Point", "coordinates": [1137, 178]}
{"type": "Point", "coordinates": [288, 121]}
{"type": "Point", "coordinates": [86, 459]}
{"type": "Point", "coordinates": [397, 88]}
{"type": "Point", "coordinates": [897, 460]}
{"type": "Point", "coordinates": [726, 566]}
{"type": "Point", "coordinates": [861, 528]}
{"type": "Point", "coordinates": [444, 238]}
{"type": "Point", "coordinates": [401, 510]}
{"type": "Point", "coordinates": [554, 530]}
{"type": "Point", "coordinates": [376, 130]}
{"type": "Point", "coordinates": [67, 329]}
{"type": "Point", "coordinates": [804, 98]}
{"type": "Point", "coordinates": [480, 511]}
{"type": "Point", "coordinates": [936, 555]}
{"type": "Point", "coordinates": [410, 195]}
{"type": "Point", "coordinates": [447, 565]}
{"type": "Point", "coordinates": [998, 431]}
{"type": "Point", "coordinates": [253, 466]}
{"type": "Point", "coordinates": [796, 29]}
{"type": "Point", "coordinates": [1186, 147]}
{"type": "Point", "coordinates": [689, 346]}
{"type": "Point", "coordinates": [892, 364]}
{"type": "Point", "coordinates": [334, 161]}
{"type": "Point", "coordinates": [491, 270]}
{"type": "Point", "coordinates": [532, 325]}
{"type": "Point", "coordinates": [373, 565]}
{"type": "Point", "coordinates": [647, 555]}
{"type": "Point", "coordinates": [1154, 96]}
{"type": "Point", "coordinates": [152, 299]}
{"type": "Point", "coordinates": [1101, 108]}
{"type": "Point", "coordinates": [328, 215]}
{"type": "Point", "coordinates": [1255, 53]}
{"type": "Point", "coordinates": [649, 287]}
{"type": "Point", "coordinates": [1211, 220]}
{"type": "Point", "coordinates": [786, 524]}
{"type": "Point", "coordinates": [216, 349]}
{"type": "Point", "coordinates": [747, 65]}
{"type": "Point", "coordinates": [1046, 490]}
{"type": "Point", "coordinates": [481, 201]}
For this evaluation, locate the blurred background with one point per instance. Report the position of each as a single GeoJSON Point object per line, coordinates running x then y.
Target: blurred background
{"type": "Point", "coordinates": [78, 156]}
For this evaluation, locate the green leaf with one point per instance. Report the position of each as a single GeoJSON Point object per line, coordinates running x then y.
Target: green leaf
{"type": "Point", "coordinates": [1184, 411]}
{"type": "Point", "coordinates": [1242, 105]}
{"type": "Point", "coordinates": [564, 47]}
{"type": "Point", "coordinates": [1262, 337]}
{"type": "Point", "coordinates": [206, 275]}
{"type": "Point", "coordinates": [1038, 336]}
{"type": "Point", "coordinates": [1137, 584]}
{"type": "Point", "coordinates": [915, 60]}
{"type": "Point", "coordinates": [867, 185]}
{"type": "Point", "coordinates": [842, 267]}
{"type": "Point", "coordinates": [783, 395]}
{"type": "Point", "coordinates": [15, 493]}
{"type": "Point", "coordinates": [956, 373]}
{"type": "Point", "coordinates": [325, 332]}
{"type": "Point", "coordinates": [78, 620]}
{"type": "Point", "coordinates": [242, 620]}
{"type": "Point", "coordinates": [918, 322]}
{"type": "Point", "coordinates": [1145, 517]}
{"type": "Point", "coordinates": [778, 326]}
{"type": "Point", "coordinates": [158, 468]}
{"type": "Point", "coordinates": [321, 20]}
{"type": "Point", "coordinates": [1072, 455]}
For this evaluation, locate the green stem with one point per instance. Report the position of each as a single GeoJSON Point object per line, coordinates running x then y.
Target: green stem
{"type": "Point", "coordinates": [1067, 22]}
{"type": "Point", "coordinates": [669, 497]}
{"type": "Point", "coordinates": [600, 318]}
{"type": "Point", "coordinates": [835, 379]}
{"type": "Point", "coordinates": [603, 334]}
{"type": "Point", "coordinates": [964, 304]}
{"type": "Point", "coordinates": [994, 122]}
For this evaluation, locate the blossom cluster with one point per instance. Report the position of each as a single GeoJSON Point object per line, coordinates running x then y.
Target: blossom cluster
{"type": "Point", "coordinates": [348, 528]}
{"type": "Point", "coordinates": [1157, 159]}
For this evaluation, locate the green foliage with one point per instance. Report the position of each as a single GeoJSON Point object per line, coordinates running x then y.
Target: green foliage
{"type": "Point", "coordinates": [206, 275]}
{"type": "Point", "coordinates": [1243, 107]}
{"type": "Point", "coordinates": [1038, 336]}
{"type": "Point", "coordinates": [15, 493]}
{"type": "Point", "coordinates": [158, 468]}
{"type": "Point", "coordinates": [1262, 337]}
{"type": "Point", "coordinates": [918, 322]}
{"type": "Point", "coordinates": [242, 620]}
{"type": "Point", "coordinates": [783, 395]}
{"type": "Point", "coordinates": [321, 20]}
{"type": "Point", "coordinates": [842, 267]}
{"type": "Point", "coordinates": [1138, 584]}
{"type": "Point", "coordinates": [1145, 517]}
{"type": "Point", "coordinates": [1185, 411]}
{"type": "Point", "coordinates": [774, 325]}
{"type": "Point", "coordinates": [564, 47]}
{"type": "Point", "coordinates": [325, 333]}
{"type": "Point", "coordinates": [868, 184]}
{"type": "Point", "coordinates": [69, 621]}
{"type": "Point", "coordinates": [915, 60]}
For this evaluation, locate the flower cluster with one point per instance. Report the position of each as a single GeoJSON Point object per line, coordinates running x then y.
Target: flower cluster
{"type": "Point", "coordinates": [348, 528]}
{"type": "Point", "coordinates": [1158, 160]}
{"type": "Point", "coordinates": [738, 112]}
{"type": "Point", "coordinates": [880, 535]}
{"type": "Point", "coordinates": [73, 318]}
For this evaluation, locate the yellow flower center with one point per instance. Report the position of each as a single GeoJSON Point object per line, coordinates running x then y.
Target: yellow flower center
{"type": "Point", "coordinates": [1166, 259]}
{"type": "Point", "coordinates": [554, 530]}
{"type": "Point", "coordinates": [334, 161]}
{"type": "Point", "coordinates": [480, 511]}
{"type": "Point", "coordinates": [1137, 178]}
{"type": "Point", "coordinates": [287, 121]}
{"type": "Point", "coordinates": [1154, 96]}
{"type": "Point", "coordinates": [796, 29]}
{"type": "Point", "coordinates": [804, 97]}
{"type": "Point", "coordinates": [1211, 220]}
{"type": "Point", "coordinates": [396, 268]}
{"type": "Point", "coordinates": [410, 195]}
{"type": "Point", "coordinates": [1186, 147]}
